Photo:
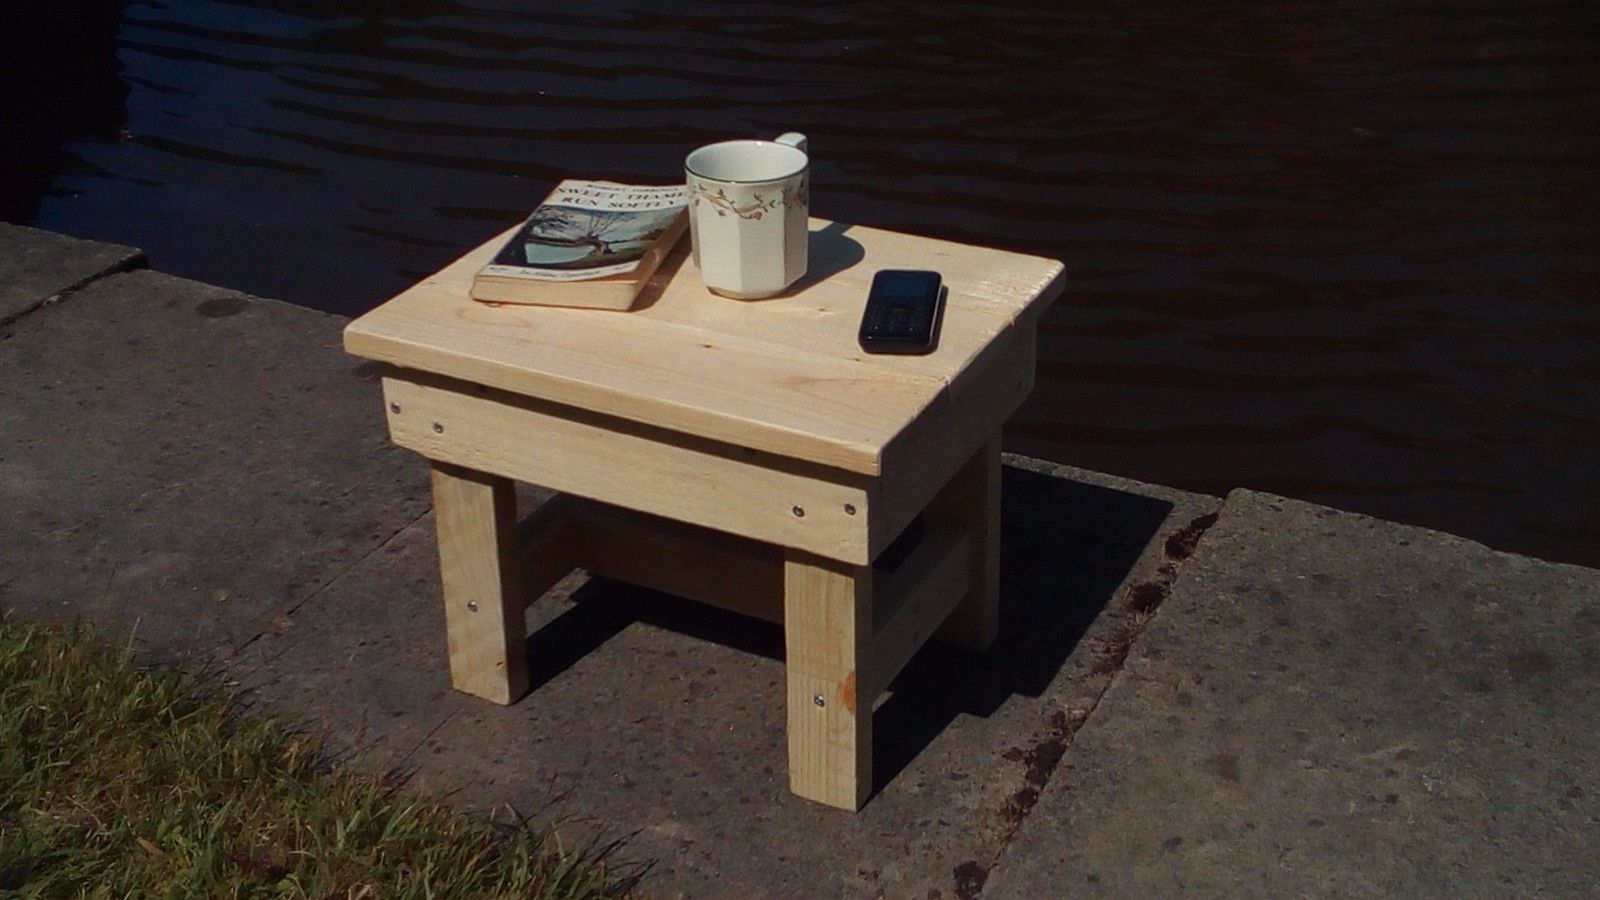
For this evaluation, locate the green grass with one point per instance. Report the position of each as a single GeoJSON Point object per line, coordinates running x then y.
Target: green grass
{"type": "Point", "coordinates": [117, 781]}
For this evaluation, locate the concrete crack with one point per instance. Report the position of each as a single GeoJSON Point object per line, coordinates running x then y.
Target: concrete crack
{"type": "Point", "coordinates": [395, 766]}
{"type": "Point", "coordinates": [294, 607]}
{"type": "Point", "coordinates": [127, 265]}
{"type": "Point", "coordinates": [1048, 745]}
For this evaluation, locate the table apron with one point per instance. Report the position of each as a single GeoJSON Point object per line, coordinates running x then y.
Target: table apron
{"type": "Point", "coordinates": [746, 492]}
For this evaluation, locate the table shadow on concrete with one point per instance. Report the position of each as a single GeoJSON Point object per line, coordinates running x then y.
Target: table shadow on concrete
{"type": "Point", "coordinates": [1067, 547]}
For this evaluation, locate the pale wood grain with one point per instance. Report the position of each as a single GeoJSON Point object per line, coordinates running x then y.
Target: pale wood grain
{"type": "Point", "coordinates": [782, 375]}
{"type": "Point", "coordinates": [913, 600]}
{"type": "Point", "coordinates": [689, 479]}
{"type": "Point", "coordinates": [547, 548]}
{"type": "Point", "coordinates": [485, 627]}
{"type": "Point", "coordinates": [734, 573]}
{"type": "Point", "coordinates": [971, 503]}
{"type": "Point", "coordinates": [827, 609]}
{"type": "Point", "coordinates": [923, 458]}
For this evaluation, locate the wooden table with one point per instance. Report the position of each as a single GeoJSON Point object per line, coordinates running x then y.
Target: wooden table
{"type": "Point", "coordinates": [741, 453]}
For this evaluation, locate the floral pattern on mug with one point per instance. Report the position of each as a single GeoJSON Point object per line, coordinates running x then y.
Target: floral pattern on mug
{"type": "Point", "coordinates": [751, 209]}
{"type": "Point", "coordinates": [757, 206]}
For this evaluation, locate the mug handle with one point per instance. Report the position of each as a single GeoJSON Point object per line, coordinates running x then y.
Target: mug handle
{"type": "Point", "coordinates": [796, 140]}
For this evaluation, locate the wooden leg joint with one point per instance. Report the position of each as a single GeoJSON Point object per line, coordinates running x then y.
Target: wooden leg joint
{"type": "Point", "coordinates": [846, 639]}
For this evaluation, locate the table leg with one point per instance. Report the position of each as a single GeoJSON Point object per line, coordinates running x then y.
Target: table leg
{"type": "Point", "coordinates": [971, 502]}
{"type": "Point", "coordinates": [486, 629]}
{"type": "Point", "coordinates": [827, 609]}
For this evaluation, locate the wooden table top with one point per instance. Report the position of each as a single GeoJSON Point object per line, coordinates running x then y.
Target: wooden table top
{"type": "Point", "coordinates": [784, 375]}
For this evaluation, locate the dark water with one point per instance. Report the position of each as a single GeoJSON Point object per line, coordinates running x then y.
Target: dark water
{"type": "Point", "coordinates": [1345, 252]}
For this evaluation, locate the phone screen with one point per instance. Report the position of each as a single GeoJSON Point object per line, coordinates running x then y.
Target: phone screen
{"type": "Point", "coordinates": [904, 286]}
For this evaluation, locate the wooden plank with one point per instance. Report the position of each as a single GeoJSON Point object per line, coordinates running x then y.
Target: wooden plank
{"type": "Point", "coordinates": [827, 631]}
{"type": "Point", "coordinates": [740, 491]}
{"type": "Point", "coordinates": [923, 458]}
{"type": "Point", "coordinates": [734, 573]}
{"type": "Point", "coordinates": [485, 626]}
{"type": "Point", "coordinates": [547, 546]}
{"type": "Point", "coordinates": [750, 393]}
{"type": "Point", "coordinates": [783, 375]}
{"type": "Point", "coordinates": [970, 503]}
{"type": "Point", "coordinates": [913, 600]}
{"type": "Point", "coordinates": [824, 323]}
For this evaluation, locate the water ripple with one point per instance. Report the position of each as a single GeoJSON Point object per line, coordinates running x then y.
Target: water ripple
{"type": "Point", "coordinates": [1342, 252]}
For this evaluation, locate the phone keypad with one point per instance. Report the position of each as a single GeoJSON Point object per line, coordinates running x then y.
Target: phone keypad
{"type": "Point", "coordinates": [902, 312]}
{"type": "Point", "coordinates": [900, 319]}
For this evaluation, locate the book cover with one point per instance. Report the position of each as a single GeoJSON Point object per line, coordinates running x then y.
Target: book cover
{"type": "Point", "coordinates": [590, 243]}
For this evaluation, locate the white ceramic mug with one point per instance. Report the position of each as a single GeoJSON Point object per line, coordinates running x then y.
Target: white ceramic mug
{"type": "Point", "coordinates": [748, 203]}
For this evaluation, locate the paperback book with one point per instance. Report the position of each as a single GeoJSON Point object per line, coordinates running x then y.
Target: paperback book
{"type": "Point", "coordinates": [590, 243]}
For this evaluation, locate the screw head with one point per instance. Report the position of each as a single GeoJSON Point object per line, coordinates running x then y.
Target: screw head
{"type": "Point", "coordinates": [394, 407]}
{"type": "Point", "coordinates": [819, 701]}
{"type": "Point", "coordinates": [438, 428]}
{"type": "Point", "coordinates": [472, 605]}
{"type": "Point", "coordinates": [849, 509]}
{"type": "Point", "coordinates": [799, 512]}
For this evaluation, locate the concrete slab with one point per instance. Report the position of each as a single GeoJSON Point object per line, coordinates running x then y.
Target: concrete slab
{"type": "Point", "coordinates": [188, 461]}
{"type": "Point", "coordinates": [1332, 705]}
{"type": "Point", "coordinates": [661, 718]}
{"type": "Point", "coordinates": [38, 265]}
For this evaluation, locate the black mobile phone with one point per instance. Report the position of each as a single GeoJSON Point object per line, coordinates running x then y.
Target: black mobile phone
{"type": "Point", "coordinates": [903, 313]}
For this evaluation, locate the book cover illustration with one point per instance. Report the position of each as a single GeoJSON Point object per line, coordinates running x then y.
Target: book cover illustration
{"type": "Point", "coordinates": [589, 229]}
